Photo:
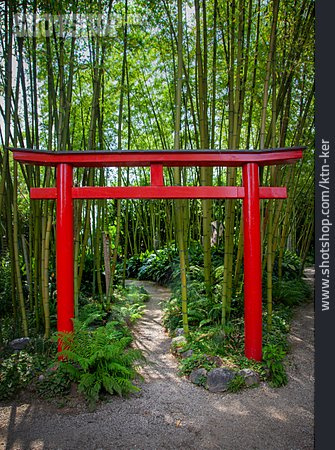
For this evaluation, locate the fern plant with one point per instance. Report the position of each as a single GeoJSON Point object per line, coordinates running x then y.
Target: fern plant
{"type": "Point", "coordinates": [291, 292]}
{"type": "Point", "coordinates": [100, 361]}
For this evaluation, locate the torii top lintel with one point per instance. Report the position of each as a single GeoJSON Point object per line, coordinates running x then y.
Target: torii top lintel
{"type": "Point", "coordinates": [171, 158]}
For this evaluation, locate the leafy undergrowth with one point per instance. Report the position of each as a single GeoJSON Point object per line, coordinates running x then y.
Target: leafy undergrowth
{"type": "Point", "coordinates": [97, 358]}
{"type": "Point", "coordinates": [211, 345]}
{"type": "Point", "coordinates": [219, 346]}
{"type": "Point", "coordinates": [99, 361]}
{"type": "Point", "coordinates": [162, 266]}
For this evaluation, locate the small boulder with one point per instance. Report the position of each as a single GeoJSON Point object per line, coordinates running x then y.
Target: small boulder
{"type": "Point", "coordinates": [178, 343]}
{"type": "Point", "coordinates": [251, 377]}
{"type": "Point", "coordinates": [179, 331]}
{"type": "Point", "coordinates": [218, 379]}
{"type": "Point", "coordinates": [198, 376]}
{"type": "Point", "coordinates": [187, 354]}
{"type": "Point", "coordinates": [19, 344]}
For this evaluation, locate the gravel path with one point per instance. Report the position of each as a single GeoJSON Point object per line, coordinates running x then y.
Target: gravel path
{"type": "Point", "coordinates": [172, 413]}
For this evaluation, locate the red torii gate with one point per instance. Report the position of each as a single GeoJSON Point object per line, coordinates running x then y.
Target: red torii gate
{"type": "Point", "coordinates": [251, 193]}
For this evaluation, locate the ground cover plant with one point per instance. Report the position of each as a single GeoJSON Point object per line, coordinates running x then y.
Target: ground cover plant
{"type": "Point", "coordinates": [98, 357]}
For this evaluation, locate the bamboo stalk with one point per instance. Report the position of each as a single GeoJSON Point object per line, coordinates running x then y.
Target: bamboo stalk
{"type": "Point", "coordinates": [268, 71]}
{"type": "Point", "coordinates": [178, 204]}
{"type": "Point", "coordinates": [205, 172]}
{"type": "Point", "coordinates": [119, 146]}
{"type": "Point", "coordinates": [12, 258]}
{"type": "Point", "coordinates": [16, 255]}
{"type": "Point", "coordinates": [8, 94]}
{"type": "Point", "coordinates": [45, 269]}
{"type": "Point", "coordinates": [97, 250]}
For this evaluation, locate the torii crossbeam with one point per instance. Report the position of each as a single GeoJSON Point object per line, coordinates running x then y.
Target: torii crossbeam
{"type": "Point", "coordinates": [251, 192]}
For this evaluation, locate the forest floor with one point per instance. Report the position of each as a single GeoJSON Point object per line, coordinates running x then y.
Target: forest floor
{"type": "Point", "coordinates": [170, 412]}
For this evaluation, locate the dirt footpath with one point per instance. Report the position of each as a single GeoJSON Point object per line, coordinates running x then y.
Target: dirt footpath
{"type": "Point", "coordinates": [171, 413]}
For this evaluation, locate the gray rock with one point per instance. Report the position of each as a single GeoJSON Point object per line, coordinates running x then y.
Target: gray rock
{"type": "Point", "coordinates": [218, 379]}
{"type": "Point", "coordinates": [251, 378]}
{"type": "Point", "coordinates": [198, 376]}
{"type": "Point", "coordinates": [20, 343]}
{"type": "Point", "coordinates": [179, 331]}
{"type": "Point", "coordinates": [178, 341]}
{"type": "Point", "coordinates": [187, 354]}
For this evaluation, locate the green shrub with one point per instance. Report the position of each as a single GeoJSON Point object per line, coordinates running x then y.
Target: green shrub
{"type": "Point", "coordinates": [136, 294]}
{"type": "Point", "coordinates": [273, 356]}
{"type": "Point", "coordinates": [162, 265]}
{"type": "Point", "coordinates": [196, 361]}
{"type": "Point", "coordinates": [281, 318]}
{"type": "Point", "coordinates": [92, 314]}
{"type": "Point", "coordinates": [202, 310]}
{"type": "Point", "coordinates": [133, 265]}
{"type": "Point", "coordinates": [16, 372]}
{"type": "Point", "coordinates": [99, 361]}
{"type": "Point", "coordinates": [53, 383]}
{"type": "Point", "coordinates": [5, 286]}
{"type": "Point", "coordinates": [128, 304]}
{"type": "Point", "coordinates": [131, 312]}
{"type": "Point", "coordinates": [291, 266]}
{"type": "Point", "coordinates": [172, 318]}
{"type": "Point", "coordinates": [158, 266]}
{"type": "Point", "coordinates": [291, 292]}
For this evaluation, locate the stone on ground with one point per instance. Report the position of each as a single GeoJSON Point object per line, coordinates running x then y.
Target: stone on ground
{"type": "Point", "coordinates": [218, 379]}
{"type": "Point", "coordinates": [251, 378]}
{"type": "Point", "coordinates": [178, 343]}
{"type": "Point", "coordinates": [20, 343]}
{"type": "Point", "coordinates": [198, 376]}
{"type": "Point", "coordinates": [187, 354]}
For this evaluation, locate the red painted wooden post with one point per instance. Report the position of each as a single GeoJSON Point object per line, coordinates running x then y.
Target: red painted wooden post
{"type": "Point", "coordinates": [64, 250]}
{"type": "Point", "coordinates": [156, 174]}
{"type": "Point", "coordinates": [252, 264]}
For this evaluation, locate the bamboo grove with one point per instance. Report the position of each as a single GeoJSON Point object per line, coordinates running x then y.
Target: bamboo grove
{"type": "Point", "coordinates": [129, 75]}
